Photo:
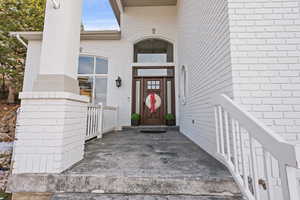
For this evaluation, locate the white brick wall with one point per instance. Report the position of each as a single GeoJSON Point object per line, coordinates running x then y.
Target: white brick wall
{"type": "Point", "coordinates": [50, 132]}
{"type": "Point", "coordinates": [204, 48]}
{"type": "Point", "coordinates": [265, 50]}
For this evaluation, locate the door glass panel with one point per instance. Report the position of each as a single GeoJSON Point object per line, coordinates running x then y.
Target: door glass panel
{"type": "Point", "coordinates": [86, 65]}
{"type": "Point", "coordinates": [86, 86]}
{"type": "Point", "coordinates": [101, 66]}
{"type": "Point", "coordinates": [100, 90]}
{"type": "Point", "coordinates": [153, 85]}
{"type": "Point", "coordinates": [138, 97]}
{"type": "Point", "coordinates": [169, 97]}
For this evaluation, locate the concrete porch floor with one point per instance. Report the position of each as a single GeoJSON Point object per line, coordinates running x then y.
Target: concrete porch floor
{"type": "Point", "coordinates": [133, 154]}
{"type": "Point", "coordinates": [129, 162]}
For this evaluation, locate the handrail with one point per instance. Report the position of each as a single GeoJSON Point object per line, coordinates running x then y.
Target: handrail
{"type": "Point", "coordinates": [254, 154]}
{"type": "Point", "coordinates": [273, 142]}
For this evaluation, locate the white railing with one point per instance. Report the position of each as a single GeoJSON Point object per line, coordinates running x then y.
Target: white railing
{"type": "Point", "coordinates": [110, 119]}
{"type": "Point", "coordinates": [100, 120]}
{"type": "Point", "coordinates": [94, 121]}
{"type": "Point", "coordinates": [262, 163]}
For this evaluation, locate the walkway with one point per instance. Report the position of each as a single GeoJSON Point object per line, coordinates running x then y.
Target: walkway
{"type": "Point", "coordinates": [133, 163]}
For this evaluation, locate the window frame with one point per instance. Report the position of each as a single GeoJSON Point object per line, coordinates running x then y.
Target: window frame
{"type": "Point", "coordinates": [94, 75]}
{"type": "Point", "coordinates": [183, 84]}
{"type": "Point", "coordinates": [172, 56]}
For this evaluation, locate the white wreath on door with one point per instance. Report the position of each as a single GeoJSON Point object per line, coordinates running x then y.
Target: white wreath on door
{"type": "Point", "coordinates": [157, 101]}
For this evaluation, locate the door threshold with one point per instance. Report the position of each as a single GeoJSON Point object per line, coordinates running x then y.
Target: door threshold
{"type": "Point", "coordinates": [151, 127]}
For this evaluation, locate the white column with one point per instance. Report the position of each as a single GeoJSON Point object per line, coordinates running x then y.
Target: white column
{"type": "Point", "coordinates": [52, 120]}
{"type": "Point", "coordinates": [60, 47]}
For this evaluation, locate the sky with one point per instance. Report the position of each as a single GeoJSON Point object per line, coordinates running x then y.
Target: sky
{"type": "Point", "coordinates": [98, 15]}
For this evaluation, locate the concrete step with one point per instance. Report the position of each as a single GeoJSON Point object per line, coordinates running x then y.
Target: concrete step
{"type": "Point", "coordinates": [87, 196]}
{"type": "Point", "coordinates": [123, 184]}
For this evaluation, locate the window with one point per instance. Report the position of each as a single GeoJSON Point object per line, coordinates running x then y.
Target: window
{"type": "Point", "coordinates": [153, 51]}
{"type": "Point", "coordinates": [153, 72]}
{"type": "Point", "coordinates": [183, 84]}
{"type": "Point", "coordinates": [92, 77]}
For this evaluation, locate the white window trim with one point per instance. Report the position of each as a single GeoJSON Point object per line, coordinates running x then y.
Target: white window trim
{"type": "Point", "coordinates": [94, 75]}
{"type": "Point", "coordinates": [152, 64]}
{"type": "Point", "coordinates": [183, 84]}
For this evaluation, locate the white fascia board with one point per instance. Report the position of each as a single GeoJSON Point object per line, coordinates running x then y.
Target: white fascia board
{"type": "Point", "coordinates": [85, 35]}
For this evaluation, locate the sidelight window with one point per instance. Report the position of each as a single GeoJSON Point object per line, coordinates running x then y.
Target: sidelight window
{"type": "Point", "coordinates": [92, 77]}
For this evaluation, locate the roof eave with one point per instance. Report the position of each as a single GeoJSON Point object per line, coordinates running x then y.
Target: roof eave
{"type": "Point", "coordinates": [85, 35]}
{"type": "Point", "coordinates": [117, 7]}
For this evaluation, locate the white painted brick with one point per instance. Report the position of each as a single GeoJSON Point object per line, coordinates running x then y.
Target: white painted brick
{"type": "Point", "coordinates": [273, 60]}
{"type": "Point", "coordinates": [283, 108]}
{"type": "Point", "coordinates": [284, 122]}
{"type": "Point", "coordinates": [293, 129]}
{"type": "Point", "coordinates": [292, 115]}
{"type": "Point", "coordinates": [273, 115]}
{"type": "Point", "coordinates": [208, 16]}
{"type": "Point", "coordinates": [42, 134]}
{"type": "Point", "coordinates": [262, 108]}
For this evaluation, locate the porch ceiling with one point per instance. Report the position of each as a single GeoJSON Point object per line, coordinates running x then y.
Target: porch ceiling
{"type": "Point", "coordinates": [119, 5]}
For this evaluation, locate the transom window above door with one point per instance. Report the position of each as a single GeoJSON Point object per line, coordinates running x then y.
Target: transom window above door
{"type": "Point", "coordinates": [153, 51]}
{"type": "Point", "coordinates": [92, 77]}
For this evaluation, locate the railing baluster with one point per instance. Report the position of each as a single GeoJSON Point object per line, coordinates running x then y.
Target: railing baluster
{"type": "Point", "coordinates": [227, 137]}
{"type": "Point", "coordinates": [94, 127]}
{"type": "Point", "coordinates": [266, 160]}
{"type": "Point", "coordinates": [221, 131]}
{"type": "Point", "coordinates": [235, 156]}
{"type": "Point", "coordinates": [97, 121]}
{"type": "Point", "coordinates": [93, 121]}
{"type": "Point", "coordinates": [89, 122]}
{"type": "Point", "coordinates": [254, 168]}
{"type": "Point", "coordinates": [217, 129]}
{"type": "Point", "coordinates": [243, 157]}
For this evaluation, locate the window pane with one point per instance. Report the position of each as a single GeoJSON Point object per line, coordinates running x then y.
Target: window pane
{"type": "Point", "coordinates": [138, 97]}
{"type": "Point", "coordinates": [101, 66]}
{"type": "Point", "coordinates": [153, 50]}
{"type": "Point", "coordinates": [86, 65]}
{"type": "Point", "coordinates": [169, 97]}
{"type": "Point", "coordinates": [100, 90]}
{"type": "Point", "coordinates": [86, 86]}
{"type": "Point", "coordinates": [155, 72]}
{"type": "Point", "coordinates": [151, 58]}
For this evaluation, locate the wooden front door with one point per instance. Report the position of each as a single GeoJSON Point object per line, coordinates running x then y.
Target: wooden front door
{"type": "Point", "coordinates": [153, 87]}
{"type": "Point", "coordinates": [149, 81]}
